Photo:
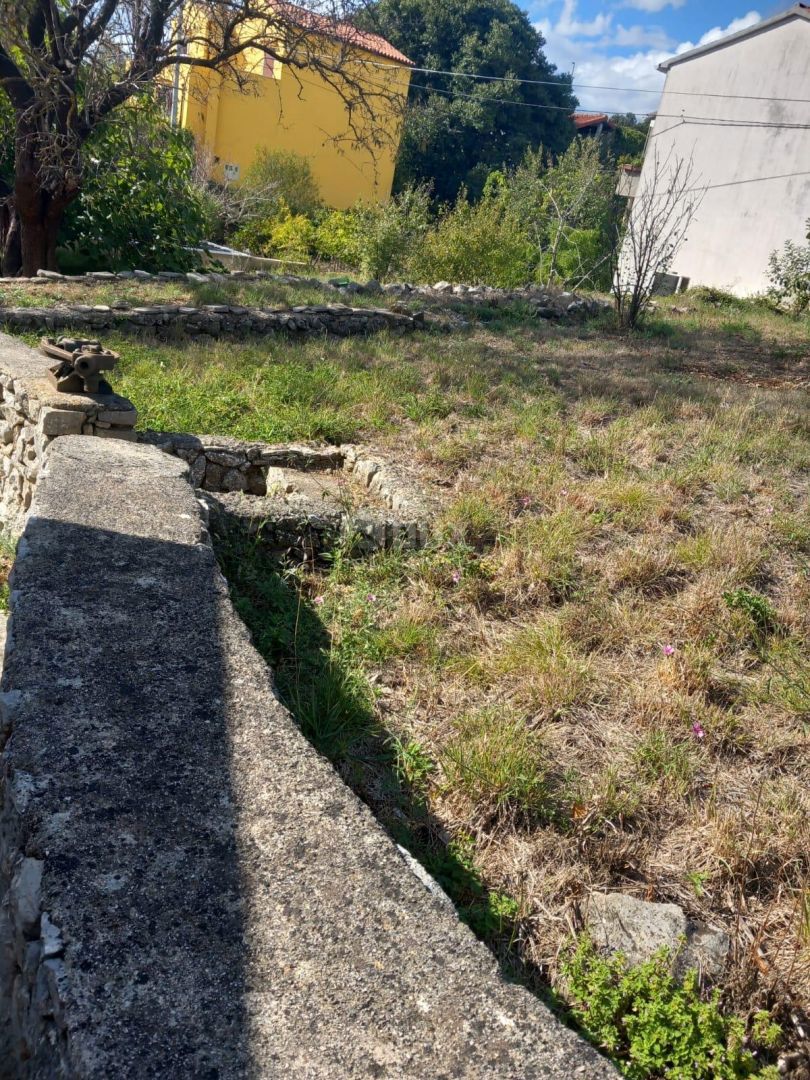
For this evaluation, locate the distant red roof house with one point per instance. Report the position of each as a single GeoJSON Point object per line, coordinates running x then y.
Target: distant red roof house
{"type": "Point", "coordinates": [591, 123]}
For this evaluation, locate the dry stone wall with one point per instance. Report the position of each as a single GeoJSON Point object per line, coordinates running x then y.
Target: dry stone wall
{"type": "Point", "coordinates": [212, 319]}
{"type": "Point", "coordinates": [33, 413]}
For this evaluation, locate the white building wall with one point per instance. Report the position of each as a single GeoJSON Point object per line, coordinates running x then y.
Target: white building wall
{"type": "Point", "coordinates": [752, 204]}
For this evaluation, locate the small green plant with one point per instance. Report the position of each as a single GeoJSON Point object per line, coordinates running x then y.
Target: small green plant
{"type": "Point", "coordinates": [660, 757]}
{"type": "Point", "coordinates": [413, 763]}
{"type": "Point", "coordinates": [654, 1026]}
{"type": "Point", "coordinates": [756, 608]}
{"type": "Point", "coordinates": [489, 914]}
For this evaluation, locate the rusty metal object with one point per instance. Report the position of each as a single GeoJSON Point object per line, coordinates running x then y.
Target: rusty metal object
{"type": "Point", "coordinates": [80, 363]}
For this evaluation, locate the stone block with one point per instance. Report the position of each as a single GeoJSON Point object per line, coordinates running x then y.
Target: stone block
{"type": "Point", "coordinates": [127, 434]}
{"type": "Point", "coordinates": [25, 896]}
{"type": "Point", "coordinates": [118, 417]}
{"type": "Point", "coordinates": [62, 421]}
{"type": "Point", "coordinates": [638, 928]}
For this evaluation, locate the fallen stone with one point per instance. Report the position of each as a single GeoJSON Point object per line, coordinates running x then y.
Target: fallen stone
{"type": "Point", "coordinates": [638, 928]}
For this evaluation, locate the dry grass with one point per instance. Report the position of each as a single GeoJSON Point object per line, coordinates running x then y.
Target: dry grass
{"type": "Point", "coordinates": [595, 712]}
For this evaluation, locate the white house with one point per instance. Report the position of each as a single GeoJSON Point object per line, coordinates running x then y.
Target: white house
{"type": "Point", "coordinates": [739, 108]}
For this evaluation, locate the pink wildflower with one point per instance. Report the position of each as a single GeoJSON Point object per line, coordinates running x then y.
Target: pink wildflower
{"type": "Point", "coordinates": [456, 577]}
{"type": "Point", "coordinates": [371, 598]}
{"type": "Point", "coordinates": [697, 730]}
{"type": "Point", "coordinates": [318, 600]}
{"type": "Point", "coordinates": [668, 650]}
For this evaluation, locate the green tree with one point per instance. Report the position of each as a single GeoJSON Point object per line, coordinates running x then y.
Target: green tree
{"type": "Point", "coordinates": [138, 207]}
{"type": "Point", "coordinates": [458, 129]}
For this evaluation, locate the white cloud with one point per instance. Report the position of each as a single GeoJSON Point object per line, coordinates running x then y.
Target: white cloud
{"type": "Point", "coordinates": [654, 37]}
{"type": "Point", "coordinates": [717, 32]}
{"type": "Point", "coordinates": [569, 26]}
{"type": "Point", "coordinates": [652, 5]}
{"type": "Point", "coordinates": [597, 64]}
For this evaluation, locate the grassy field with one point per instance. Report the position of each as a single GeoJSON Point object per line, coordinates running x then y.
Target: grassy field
{"type": "Point", "coordinates": [597, 675]}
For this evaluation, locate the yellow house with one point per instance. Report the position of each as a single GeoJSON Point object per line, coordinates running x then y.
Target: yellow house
{"type": "Point", "coordinates": [344, 116]}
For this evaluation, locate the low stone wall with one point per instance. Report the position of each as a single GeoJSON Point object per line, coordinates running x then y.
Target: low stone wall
{"type": "Point", "coordinates": [399, 511]}
{"type": "Point", "coordinates": [187, 889]}
{"type": "Point", "coordinates": [213, 319]}
{"type": "Point", "coordinates": [548, 303]}
{"type": "Point", "coordinates": [33, 413]}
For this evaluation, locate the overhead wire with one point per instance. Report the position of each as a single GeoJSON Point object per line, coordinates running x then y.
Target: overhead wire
{"type": "Point", "coordinates": [684, 117]}
{"type": "Point", "coordinates": [583, 86]}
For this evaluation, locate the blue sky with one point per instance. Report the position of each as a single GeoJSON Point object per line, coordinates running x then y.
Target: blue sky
{"type": "Point", "coordinates": [622, 42]}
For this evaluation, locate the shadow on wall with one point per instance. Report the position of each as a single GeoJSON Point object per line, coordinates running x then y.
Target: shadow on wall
{"type": "Point", "coordinates": [120, 780]}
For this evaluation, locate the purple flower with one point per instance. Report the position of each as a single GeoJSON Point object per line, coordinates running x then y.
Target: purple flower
{"type": "Point", "coordinates": [697, 730]}
{"type": "Point", "coordinates": [318, 600]}
{"type": "Point", "coordinates": [371, 598]}
{"type": "Point", "coordinates": [668, 650]}
{"type": "Point", "coordinates": [456, 577]}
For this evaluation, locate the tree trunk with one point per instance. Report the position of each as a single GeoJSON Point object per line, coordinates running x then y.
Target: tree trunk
{"type": "Point", "coordinates": [39, 210]}
{"type": "Point", "coordinates": [10, 249]}
{"type": "Point", "coordinates": [40, 215]}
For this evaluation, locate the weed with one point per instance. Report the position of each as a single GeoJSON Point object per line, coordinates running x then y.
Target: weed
{"type": "Point", "coordinates": [654, 1026]}
{"type": "Point", "coordinates": [659, 757]}
{"type": "Point", "coordinates": [755, 608]}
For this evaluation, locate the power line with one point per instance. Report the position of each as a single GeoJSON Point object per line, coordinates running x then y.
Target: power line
{"type": "Point", "coordinates": [718, 121]}
{"type": "Point", "coordinates": [727, 183]}
{"type": "Point", "coordinates": [583, 86]}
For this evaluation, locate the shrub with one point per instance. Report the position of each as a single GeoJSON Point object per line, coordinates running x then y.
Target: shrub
{"type": "Point", "coordinates": [480, 244]}
{"type": "Point", "coordinates": [338, 237]}
{"type": "Point", "coordinates": [652, 1025]}
{"type": "Point", "coordinates": [390, 232]}
{"type": "Point", "coordinates": [138, 207]}
{"type": "Point", "coordinates": [281, 177]}
{"type": "Point", "coordinates": [281, 234]}
{"type": "Point", "coordinates": [789, 275]}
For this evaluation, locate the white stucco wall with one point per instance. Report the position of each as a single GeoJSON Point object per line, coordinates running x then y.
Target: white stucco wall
{"type": "Point", "coordinates": [740, 223]}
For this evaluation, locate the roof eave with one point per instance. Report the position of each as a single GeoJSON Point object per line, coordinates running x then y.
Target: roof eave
{"type": "Point", "coordinates": [800, 11]}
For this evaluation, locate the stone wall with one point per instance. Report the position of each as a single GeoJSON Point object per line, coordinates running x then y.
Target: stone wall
{"type": "Point", "coordinates": [33, 413]}
{"type": "Point", "coordinates": [212, 319]}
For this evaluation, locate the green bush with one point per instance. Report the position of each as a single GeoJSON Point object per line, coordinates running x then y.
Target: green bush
{"type": "Point", "coordinates": [377, 238]}
{"type": "Point", "coordinates": [655, 1026]}
{"type": "Point", "coordinates": [789, 275]}
{"type": "Point", "coordinates": [338, 237]}
{"type": "Point", "coordinates": [281, 177]}
{"type": "Point", "coordinates": [479, 244]}
{"type": "Point", "coordinates": [138, 207]}
{"type": "Point", "coordinates": [282, 234]}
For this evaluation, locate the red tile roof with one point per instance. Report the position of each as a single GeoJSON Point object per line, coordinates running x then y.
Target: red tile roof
{"type": "Point", "coordinates": [343, 31]}
{"type": "Point", "coordinates": [588, 119]}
